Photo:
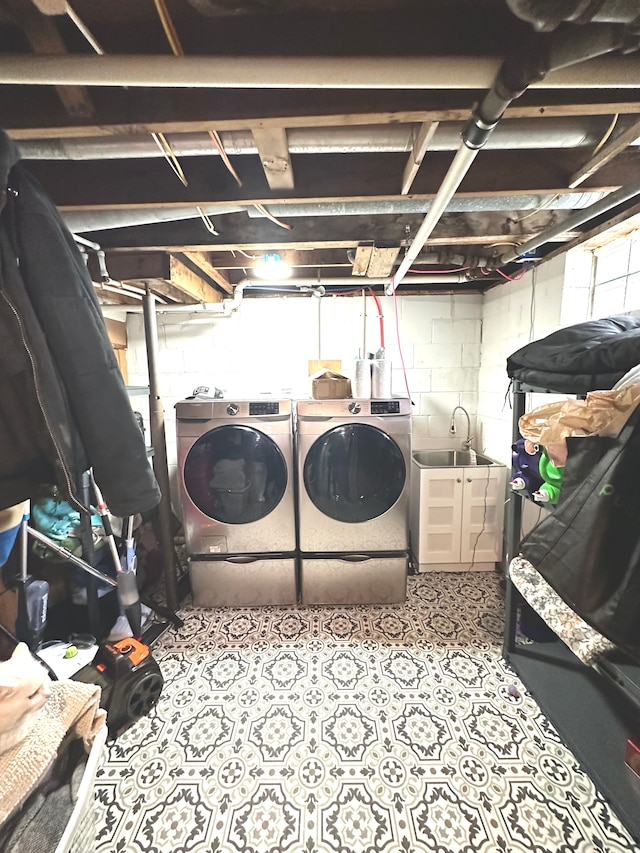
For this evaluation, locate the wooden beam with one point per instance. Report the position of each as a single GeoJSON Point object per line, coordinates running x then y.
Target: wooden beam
{"type": "Point", "coordinates": [382, 261]}
{"type": "Point", "coordinates": [43, 36]}
{"type": "Point", "coordinates": [190, 283]}
{"type": "Point", "coordinates": [164, 288]}
{"type": "Point", "coordinates": [203, 264]}
{"type": "Point", "coordinates": [419, 149]}
{"type": "Point", "coordinates": [607, 153]}
{"type": "Point", "coordinates": [120, 112]}
{"type": "Point", "coordinates": [596, 230]}
{"type": "Point", "coordinates": [259, 235]}
{"type": "Point", "coordinates": [362, 258]}
{"type": "Point", "coordinates": [329, 176]}
{"type": "Point", "coordinates": [311, 259]}
{"type": "Point", "coordinates": [273, 150]}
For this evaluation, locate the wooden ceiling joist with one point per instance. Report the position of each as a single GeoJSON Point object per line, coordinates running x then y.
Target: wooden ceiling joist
{"type": "Point", "coordinates": [607, 153]}
{"type": "Point", "coordinates": [44, 38]}
{"type": "Point", "coordinates": [191, 283]}
{"type": "Point", "coordinates": [328, 176]}
{"type": "Point", "coordinates": [202, 264]}
{"type": "Point", "coordinates": [419, 149]}
{"type": "Point", "coordinates": [273, 150]}
{"type": "Point", "coordinates": [160, 113]}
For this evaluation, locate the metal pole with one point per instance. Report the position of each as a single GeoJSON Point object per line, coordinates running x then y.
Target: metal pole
{"type": "Point", "coordinates": [158, 440]}
{"type": "Point", "coordinates": [578, 218]}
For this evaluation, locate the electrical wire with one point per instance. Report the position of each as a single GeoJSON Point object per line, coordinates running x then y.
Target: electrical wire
{"type": "Point", "coordinates": [86, 32]}
{"type": "Point", "coordinates": [169, 27]}
{"type": "Point", "coordinates": [606, 136]}
{"type": "Point", "coordinates": [520, 275]}
{"type": "Point", "coordinates": [246, 255]}
{"type": "Point", "coordinates": [395, 307]}
{"type": "Point", "coordinates": [380, 316]}
{"type": "Point", "coordinates": [263, 210]}
{"type": "Point", "coordinates": [169, 155]}
{"type": "Point", "coordinates": [484, 519]}
{"type": "Point", "coordinates": [217, 141]}
{"type": "Point", "coordinates": [439, 272]}
{"type": "Point", "coordinates": [208, 224]}
{"type": "Point", "coordinates": [544, 205]}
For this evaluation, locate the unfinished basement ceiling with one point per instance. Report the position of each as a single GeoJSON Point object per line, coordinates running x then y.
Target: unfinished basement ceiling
{"type": "Point", "coordinates": [208, 133]}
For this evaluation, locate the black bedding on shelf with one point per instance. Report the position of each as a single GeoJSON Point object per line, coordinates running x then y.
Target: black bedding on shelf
{"type": "Point", "coordinates": [581, 358]}
{"type": "Point", "coordinates": [588, 549]}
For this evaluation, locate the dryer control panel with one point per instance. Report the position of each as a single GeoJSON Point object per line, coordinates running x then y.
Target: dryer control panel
{"type": "Point", "coordinates": [385, 407]}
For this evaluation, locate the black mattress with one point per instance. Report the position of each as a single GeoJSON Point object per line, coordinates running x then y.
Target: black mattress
{"type": "Point", "coordinates": [581, 358]}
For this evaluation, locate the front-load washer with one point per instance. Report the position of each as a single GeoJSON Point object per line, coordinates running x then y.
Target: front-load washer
{"type": "Point", "coordinates": [353, 500]}
{"type": "Point", "coordinates": [235, 469]}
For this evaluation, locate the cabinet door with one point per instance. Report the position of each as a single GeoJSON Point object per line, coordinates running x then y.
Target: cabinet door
{"type": "Point", "coordinates": [441, 515]}
{"type": "Point", "coordinates": [482, 514]}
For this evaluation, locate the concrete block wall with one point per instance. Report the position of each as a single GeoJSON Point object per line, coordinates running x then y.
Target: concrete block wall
{"type": "Point", "coordinates": [264, 348]}
{"type": "Point", "coordinates": [515, 313]}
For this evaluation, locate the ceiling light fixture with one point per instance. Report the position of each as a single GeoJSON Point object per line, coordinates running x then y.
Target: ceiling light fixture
{"type": "Point", "coordinates": [272, 268]}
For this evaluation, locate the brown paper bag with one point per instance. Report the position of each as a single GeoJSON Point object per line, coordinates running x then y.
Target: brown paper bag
{"type": "Point", "coordinates": [602, 413]}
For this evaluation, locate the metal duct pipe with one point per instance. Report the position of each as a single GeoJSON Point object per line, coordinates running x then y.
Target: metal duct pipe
{"type": "Point", "coordinates": [608, 203]}
{"type": "Point", "coordinates": [516, 74]}
{"type": "Point", "coordinates": [361, 139]}
{"type": "Point", "coordinates": [294, 72]}
{"type": "Point", "coordinates": [567, 201]}
{"type": "Point", "coordinates": [101, 220]}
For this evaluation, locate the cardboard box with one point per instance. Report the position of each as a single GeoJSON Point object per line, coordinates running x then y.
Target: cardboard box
{"type": "Point", "coordinates": [327, 385]}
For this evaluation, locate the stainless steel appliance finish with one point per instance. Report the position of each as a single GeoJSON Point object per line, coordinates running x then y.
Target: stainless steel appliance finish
{"type": "Point", "coordinates": [235, 466]}
{"type": "Point", "coordinates": [244, 581]}
{"type": "Point", "coordinates": [353, 497]}
{"type": "Point", "coordinates": [354, 579]}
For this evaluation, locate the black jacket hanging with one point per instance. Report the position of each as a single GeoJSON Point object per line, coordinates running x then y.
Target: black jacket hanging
{"type": "Point", "coordinates": [63, 402]}
{"type": "Point", "coordinates": [588, 548]}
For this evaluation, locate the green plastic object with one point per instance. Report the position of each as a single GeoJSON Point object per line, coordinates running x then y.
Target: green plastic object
{"type": "Point", "coordinates": [71, 652]}
{"type": "Point", "coordinates": [552, 477]}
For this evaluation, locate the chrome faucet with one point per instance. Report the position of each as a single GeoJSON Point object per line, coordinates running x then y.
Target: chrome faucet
{"type": "Point", "coordinates": [452, 427]}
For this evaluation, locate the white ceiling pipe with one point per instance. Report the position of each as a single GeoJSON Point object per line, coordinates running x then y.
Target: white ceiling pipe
{"type": "Point", "coordinates": [293, 72]}
{"type": "Point", "coordinates": [228, 306]}
{"type": "Point", "coordinates": [452, 180]}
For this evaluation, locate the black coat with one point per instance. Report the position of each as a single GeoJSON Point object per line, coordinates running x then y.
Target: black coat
{"type": "Point", "coordinates": [578, 359]}
{"type": "Point", "coordinates": [63, 402]}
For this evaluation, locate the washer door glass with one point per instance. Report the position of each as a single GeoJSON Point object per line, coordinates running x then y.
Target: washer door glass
{"type": "Point", "coordinates": [235, 474]}
{"type": "Point", "coordinates": [354, 473]}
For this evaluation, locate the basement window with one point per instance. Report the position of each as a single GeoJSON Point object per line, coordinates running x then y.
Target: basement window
{"type": "Point", "coordinates": [602, 277]}
{"type": "Point", "coordinates": [616, 277]}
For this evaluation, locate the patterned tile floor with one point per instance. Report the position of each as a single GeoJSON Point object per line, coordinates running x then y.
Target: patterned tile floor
{"type": "Point", "coordinates": [348, 730]}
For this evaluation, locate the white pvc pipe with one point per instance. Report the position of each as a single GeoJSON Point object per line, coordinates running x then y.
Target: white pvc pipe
{"type": "Point", "coordinates": [293, 72]}
{"type": "Point", "coordinates": [457, 170]}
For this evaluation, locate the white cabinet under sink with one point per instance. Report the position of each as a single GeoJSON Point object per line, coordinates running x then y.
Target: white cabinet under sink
{"type": "Point", "coordinates": [456, 516]}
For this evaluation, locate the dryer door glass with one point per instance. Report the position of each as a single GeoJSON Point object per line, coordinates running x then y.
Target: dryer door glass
{"type": "Point", "coordinates": [354, 473]}
{"type": "Point", "coordinates": [235, 474]}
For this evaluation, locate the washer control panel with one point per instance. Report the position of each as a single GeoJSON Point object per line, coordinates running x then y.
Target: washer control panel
{"type": "Point", "coordinates": [264, 407]}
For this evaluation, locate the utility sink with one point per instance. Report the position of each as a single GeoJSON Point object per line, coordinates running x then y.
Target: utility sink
{"type": "Point", "coordinates": [450, 458]}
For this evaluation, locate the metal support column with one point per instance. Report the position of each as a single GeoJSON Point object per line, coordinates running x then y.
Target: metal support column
{"type": "Point", "coordinates": [158, 440]}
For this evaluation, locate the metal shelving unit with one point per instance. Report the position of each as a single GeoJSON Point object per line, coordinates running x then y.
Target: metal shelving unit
{"type": "Point", "coordinates": [594, 709]}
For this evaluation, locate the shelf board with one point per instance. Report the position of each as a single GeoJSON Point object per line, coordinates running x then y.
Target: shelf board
{"type": "Point", "coordinates": [593, 719]}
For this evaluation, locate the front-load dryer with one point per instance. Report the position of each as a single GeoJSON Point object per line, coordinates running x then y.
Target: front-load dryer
{"type": "Point", "coordinates": [353, 488]}
{"type": "Point", "coordinates": [235, 468]}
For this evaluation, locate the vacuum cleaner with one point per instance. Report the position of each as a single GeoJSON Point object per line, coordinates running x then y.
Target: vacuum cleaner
{"type": "Point", "coordinates": [130, 678]}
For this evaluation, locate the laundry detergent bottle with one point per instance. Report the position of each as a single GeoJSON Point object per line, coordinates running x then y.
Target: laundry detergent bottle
{"type": "Point", "coordinates": [549, 491]}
